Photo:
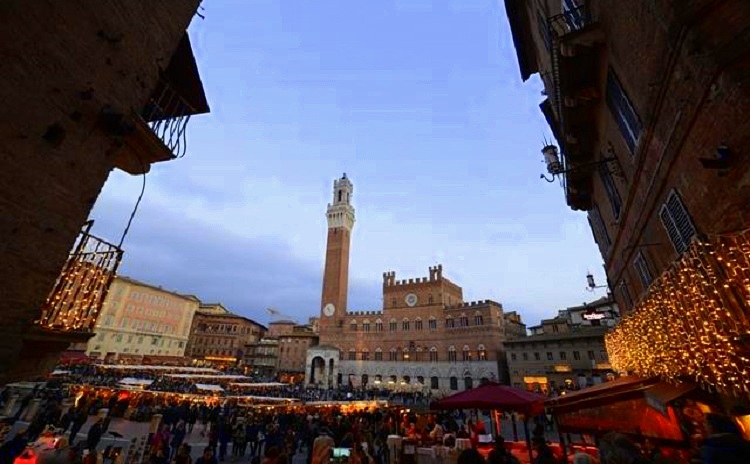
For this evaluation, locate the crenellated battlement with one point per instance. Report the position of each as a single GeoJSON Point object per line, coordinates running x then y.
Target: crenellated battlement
{"type": "Point", "coordinates": [436, 275]}
{"type": "Point", "coordinates": [364, 313]}
{"type": "Point", "coordinates": [472, 304]}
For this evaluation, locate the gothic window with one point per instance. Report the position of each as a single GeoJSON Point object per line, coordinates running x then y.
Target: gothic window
{"type": "Point", "coordinates": [365, 326]}
{"type": "Point", "coordinates": [464, 321]}
{"type": "Point", "coordinates": [466, 354]}
{"type": "Point", "coordinates": [434, 383]}
{"type": "Point", "coordinates": [418, 354]}
{"type": "Point", "coordinates": [393, 355]}
{"type": "Point", "coordinates": [482, 353]}
{"type": "Point", "coordinates": [478, 319]}
{"type": "Point", "coordinates": [433, 323]}
{"type": "Point", "coordinates": [454, 383]}
{"type": "Point", "coordinates": [393, 325]}
{"type": "Point", "coordinates": [352, 354]}
{"type": "Point", "coordinates": [378, 354]}
{"type": "Point", "coordinates": [449, 324]}
{"type": "Point", "coordinates": [405, 325]}
{"type": "Point", "coordinates": [418, 324]}
{"type": "Point", "coordinates": [353, 326]}
{"type": "Point", "coordinates": [429, 299]}
{"type": "Point", "coordinates": [394, 302]}
{"type": "Point", "coordinates": [378, 325]}
{"type": "Point", "coordinates": [452, 353]}
{"type": "Point", "coordinates": [405, 354]}
{"type": "Point", "coordinates": [365, 354]}
{"type": "Point", "coordinates": [433, 354]}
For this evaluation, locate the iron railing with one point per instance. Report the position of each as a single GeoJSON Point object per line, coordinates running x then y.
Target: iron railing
{"type": "Point", "coordinates": [76, 299]}
{"type": "Point", "coordinates": [570, 20]}
{"type": "Point", "coordinates": [167, 115]}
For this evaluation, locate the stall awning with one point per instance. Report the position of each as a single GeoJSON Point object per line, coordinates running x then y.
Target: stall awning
{"type": "Point", "coordinates": [624, 387]}
{"type": "Point", "coordinates": [206, 387]}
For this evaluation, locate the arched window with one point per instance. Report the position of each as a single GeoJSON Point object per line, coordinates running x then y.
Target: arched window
{"type": "Point", "coordinates": [378, 325]}
{"type": "Point", "coordinates": [353, 326]}
{"type": "Point", "coordinates": [405, 354]}
{"type": "Point", "coordinates": [340, 194]}
{"type": "Point", "coordinates": [352, 354]}
{"type": "Point", "coordinates": [466, 353]}
{"type": "Point", "coordinates": [434, 383]}
{"type": "Point", "coordinates": [449, 324]}
{"type": "Point", "coordinates": [433, 323]}
{"type": "Point", "coordinates": [464, 321]}
{"type": "Point", "coordinates": [454, 383]}
{"type": "Point", "coordinates": [378, 354]}
{"type": "Point", "coordinates": [481, 353]}
{"type": "Point", "coordinates": [378, 378]}
{"type": "Point", "coordinates": [405, 325]}
{"type": "Point", "coordinates": [420, 380]}
{"type": "Point", "coordinates": [406, 380]}
{"type": "Point", "coordinates": [418, 354]}
{"type": "Point", "coordinates": [430, 299]}
{"type": "Point", "coordinates": [468, 383]}
{"type": "Point", "coordinates": [452, 353]}
{"type": "Point", "coordinates": [366, 325]}
{"type": "Point", "coordinates": [418, 323]}
{"type": "Point", "coordinates": [392, 325]}
{"type": "Point", "coordinates": [433, 354]}
{"type": "Point", "coordinates": [478, 318]}
{"type": "Point", "coordinates": [392, 379]}
{"type": "Point", "coordinates": [393, 355]}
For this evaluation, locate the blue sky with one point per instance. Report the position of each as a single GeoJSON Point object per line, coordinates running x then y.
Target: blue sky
{"type": "Point", "coordinates": [419, 102]}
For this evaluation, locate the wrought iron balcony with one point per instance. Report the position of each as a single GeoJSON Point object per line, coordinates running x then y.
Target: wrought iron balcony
{"type": "Point", "coordinates": [75, 301]}
{"type": "Point", "coordinates": [167, 115]}
{"type": "Point", "coordinates": [569, 21]}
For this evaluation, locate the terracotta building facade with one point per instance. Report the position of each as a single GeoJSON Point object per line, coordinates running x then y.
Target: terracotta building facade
{"type": "Point", "coordinates": [425, 337]}
{"type": "Point", "coordinates": [84, 91]}
{"type": "Point", "coordinates": [139, 319]}
{"type": "Point", "coordinates": [648, 101]}
{"type": "Point", "coordinates": [219, 337]}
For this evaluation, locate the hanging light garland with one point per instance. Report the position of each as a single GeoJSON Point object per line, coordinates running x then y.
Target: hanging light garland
{"type": "Point", "coordinates": [694, 322]}
{"type": "Point", "coordinates": [78, 295]}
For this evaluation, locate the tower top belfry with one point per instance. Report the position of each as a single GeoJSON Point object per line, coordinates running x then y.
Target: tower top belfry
{"type": "Point", "coordinates": [340, 213]}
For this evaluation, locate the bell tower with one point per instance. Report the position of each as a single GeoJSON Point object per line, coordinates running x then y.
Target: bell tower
{"type": "Point", "coordinates": [340, 216]}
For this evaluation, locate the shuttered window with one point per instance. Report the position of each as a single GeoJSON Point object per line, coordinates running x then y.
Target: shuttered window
{"type": "Point", "coordinates": [623, 112]}
{"type": "Point", "coordinates": [627, 300]}
{"type": "Point", "coordinates": [641, 266]}
{"type": "Point", "coordinates": [600, 230]}
{"type": "Point", "coordinates": [572, 14]}
{"type": "Point", "coordinates": [609, 185]}
{"type": "Point", "coordinates": [677, 222]}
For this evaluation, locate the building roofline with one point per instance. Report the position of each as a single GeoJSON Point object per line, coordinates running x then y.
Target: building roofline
{"type": "Point", "coordinates": [133, 281]}
{"type": "Point", "coordinates": [517, 15]}
{"type": "Point", "coordinates": [588, 332]}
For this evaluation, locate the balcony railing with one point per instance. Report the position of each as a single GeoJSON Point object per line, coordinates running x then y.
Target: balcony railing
{"type": "Point", "coordinates": [569, 21]}
{"type": "Point", "coordinates": [77, 297]}
{"type": "Point", "coordinates": [167, 115]}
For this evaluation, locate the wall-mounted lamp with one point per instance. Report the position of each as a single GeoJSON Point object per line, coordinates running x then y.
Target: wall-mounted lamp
{"type": "Point", "coordinates": [722, 159]}
{"type": "Point", "coordinates": [591, 284]}
{"type": "Point", "coordinates": [555, 168]}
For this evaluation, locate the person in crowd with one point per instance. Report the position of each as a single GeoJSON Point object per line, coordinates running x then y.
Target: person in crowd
{"type": "Point", "coordinates": [207, 457]}
{"type": "Point", "coordinates": [239, 443]}
{"type": "Point", "coordinates": [544, 453]}
{"type": "Point", "coordinates": [13, 448]}
{"type": "Point", "coordinates": [183, 455]}
{"type": "Point", "coordinates": [178, 435]}
{"type": "Point", "coordinates": [95, 435]}
{"type": "Point", "coordinates": [322, 448]}
{"type": "Point", "coordinates": [723, 443]}
{"type": "Point", "coordinates": [499, 455]}
{"type": "Point", "coordinates": [470, 456]}
{"type": "Point", "coordinates": [79, 418]}
{"type": "Point", "coordinates": [615, 448]}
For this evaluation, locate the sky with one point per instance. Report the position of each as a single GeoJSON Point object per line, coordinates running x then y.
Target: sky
{"type": "Point", "coordinates": [420, 102]}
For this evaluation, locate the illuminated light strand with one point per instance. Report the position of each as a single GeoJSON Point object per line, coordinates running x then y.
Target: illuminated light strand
{"type": "Point", "coordinates": [694, 321]}
{"type": "Point", "coordinates": [76, 299]}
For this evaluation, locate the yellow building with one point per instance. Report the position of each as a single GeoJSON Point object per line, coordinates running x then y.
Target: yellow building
{"type": "Point", "coordinates": [139, 319]}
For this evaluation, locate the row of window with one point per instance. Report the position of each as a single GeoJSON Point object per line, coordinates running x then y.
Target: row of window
{"type": "Point", "coordinates": [155, 341]}
{"type": "Point", "coordinates": [418, 354]}
{"type": "Point", "coordinates": [406, 324]}
{"type": "Point", "coordinates": [155, 313]}
{"type": "Point", "coordinates": [406, 380]}
{"type": "Point", "coordinates": [225, 328]}
{"type": "Point", "coordinates": [214, 341]}
{"type": "Point", "coordinates": [562, 356]}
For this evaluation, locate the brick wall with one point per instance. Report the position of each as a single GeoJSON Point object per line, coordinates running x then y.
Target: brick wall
{"type": "Point", "coordinates": [62, 64]}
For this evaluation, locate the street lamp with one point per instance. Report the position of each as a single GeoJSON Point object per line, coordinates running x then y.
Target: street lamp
{"type": "Point", "coordinates": [555, 167]}
{"type": "Point", "coordinates": [591, 284]}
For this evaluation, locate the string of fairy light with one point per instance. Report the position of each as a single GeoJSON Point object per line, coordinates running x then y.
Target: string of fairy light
{"type": "Point", "coordinates": [77, 297]}
{"type": "Point", "coordinates": [694, 321]}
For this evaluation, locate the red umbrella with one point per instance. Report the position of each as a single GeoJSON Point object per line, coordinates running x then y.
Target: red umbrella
{"type": "Point", "coordinates": [495, 396]}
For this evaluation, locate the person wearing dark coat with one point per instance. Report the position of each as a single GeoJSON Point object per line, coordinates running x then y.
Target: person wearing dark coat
{"type": "Point", "coordinates": [724, 443]}
{"type": "Point", "coordinates": [95, 435]}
